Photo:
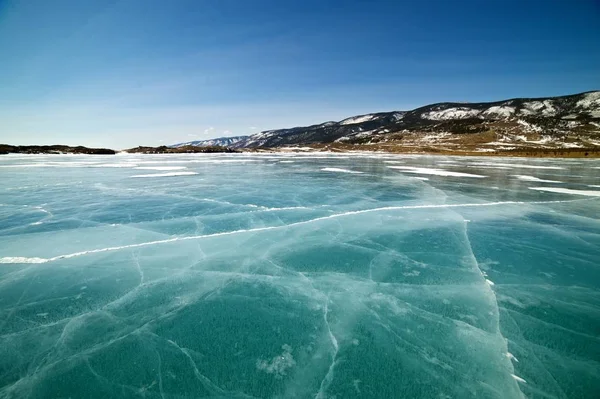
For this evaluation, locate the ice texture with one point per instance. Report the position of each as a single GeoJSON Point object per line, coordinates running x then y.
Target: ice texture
{"type": "Point", "coordinates": [298, 276]}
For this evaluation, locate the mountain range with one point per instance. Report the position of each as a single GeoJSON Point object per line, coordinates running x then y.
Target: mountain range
{"type": "Point", "coordinates": [565, 122]}
{"type": "Point", "coordinates": [219, 142]}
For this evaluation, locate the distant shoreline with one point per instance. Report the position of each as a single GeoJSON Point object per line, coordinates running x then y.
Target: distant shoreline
{"type": "Point", "coordinates": [534, 152]}
{"type": "Point", "coordinates": [53, 149]}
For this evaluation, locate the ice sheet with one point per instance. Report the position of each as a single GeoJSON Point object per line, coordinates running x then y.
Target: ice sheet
{"type": "Point", "coordinates": [257, 278]}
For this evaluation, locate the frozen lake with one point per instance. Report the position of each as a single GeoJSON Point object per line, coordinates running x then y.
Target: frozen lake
{"type": "Point", "coordinates": [300, 276]}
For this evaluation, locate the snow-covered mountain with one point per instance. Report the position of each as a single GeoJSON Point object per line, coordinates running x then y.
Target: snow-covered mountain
{"type": "Point", "coordinates": [321, 133]}
{"type": "Point", "coordinates": [221, 142]}
{"type": "Point", "coordinates": [571, 121]}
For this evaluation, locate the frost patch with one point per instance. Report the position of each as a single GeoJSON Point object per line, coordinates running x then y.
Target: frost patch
{"type": "Point", "coordinates": [20, 259]}
{"type": "Point", "coordinates": [279, 364]}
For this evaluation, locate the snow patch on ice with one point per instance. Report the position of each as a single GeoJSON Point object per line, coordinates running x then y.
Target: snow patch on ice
{"type": "Point", "coordinates": [20, 259]}
{"type": "Point", "coordinates": [161, 167]}
{"type": "Point", "coordinates": [170, 174]}
{"type": "Point", "coordinates": [512, 357]}
{"type": "Point", "coordinates": [339, 170]}
{"type": "Point", "coordinates": [433, 171]}
{"type": "Point", "coordinates": [279, 364]}
{"type": "Point", "coordinates": [115, 165]}
{"type": "Point", "coordinates": [588, 193]}
{"type": "Point", "coordinates": [535, 179]}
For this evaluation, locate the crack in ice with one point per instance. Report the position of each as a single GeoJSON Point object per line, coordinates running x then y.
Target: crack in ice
{"type": "Point", "coordinates": [205, 381]}
{"type": "Point", "coordinates": [259, 229]}
{"type": "Point", "coordinates": [329, 376]}
{"type": "Point", "coordinates": [160, 380]}
{"type": "Point", "coordinates": [489, 285]}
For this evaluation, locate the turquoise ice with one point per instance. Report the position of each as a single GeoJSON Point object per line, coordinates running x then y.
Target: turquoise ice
{"type": "Point", "coordinates": [299, 276]}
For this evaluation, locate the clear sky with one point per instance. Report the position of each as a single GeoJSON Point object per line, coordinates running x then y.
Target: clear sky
{"type": "Point", "coordinates": [121, 73]}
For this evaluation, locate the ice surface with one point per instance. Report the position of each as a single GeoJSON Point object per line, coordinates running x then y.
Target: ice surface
{"type": "Point", "coordinates": [257, 278]}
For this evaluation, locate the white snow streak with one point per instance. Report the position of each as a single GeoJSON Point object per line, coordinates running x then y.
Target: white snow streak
{"type": "Point", "coordinates": [170, 174]}
{"type": "Point", "coordinates": [340, 170]}
{"type": "Point", "coordinates": [161, 167]}
{"type": "Point", "coordinates": [588, 193]}
{"type": "Point", "coordinates": [535, 179]}
{"type": "Point", "coordinates": [433, 171]}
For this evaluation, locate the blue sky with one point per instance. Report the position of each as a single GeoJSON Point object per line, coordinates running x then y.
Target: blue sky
{"type": "Point", "coordinates": [121, 73]}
